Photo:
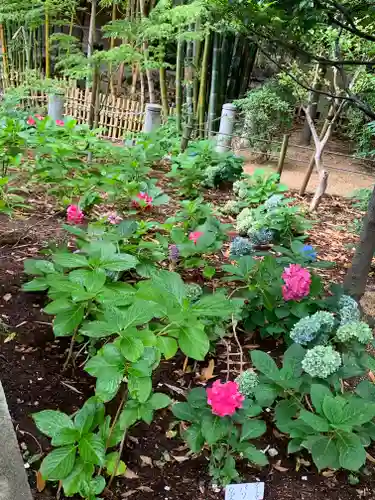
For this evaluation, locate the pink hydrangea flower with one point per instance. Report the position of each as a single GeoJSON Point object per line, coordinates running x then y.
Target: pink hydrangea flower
{"type": "Point", "coordinates": [224, 398]}
{"type": "Point", "coordinates": [60, 123]}
{"type": "Point", "coordinates": [145, 201]}
{"type": "Point", "coordinates": [39, 117]}
{"type": "Point", "coordinates": [194, 236]}
{"type": "Point", "coordinates": [297, 282]}
{"type": "Point", "coordinates": [74, 214]}
{"type": "Point", "coordinates": [31, 121]}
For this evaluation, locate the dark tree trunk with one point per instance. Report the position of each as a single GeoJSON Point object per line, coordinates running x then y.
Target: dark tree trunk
{"type": "Point", "coordinates": [356, 278]}
{"type": "Point", "coordinates": [251, 55]}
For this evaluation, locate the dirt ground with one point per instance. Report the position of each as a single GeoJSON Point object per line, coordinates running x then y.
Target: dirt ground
{"type": "Point", "coordinates": [159, 465]}
{"type": "Point", "coordinates": [345, 173]}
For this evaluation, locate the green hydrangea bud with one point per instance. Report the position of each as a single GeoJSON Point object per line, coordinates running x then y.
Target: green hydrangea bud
{"type": "Point", "coordinates": [321, 361]}
{"type": "Point", "coordinates": [193, 291]}
{"type": "Point", "coordinates": [349, 310]}
{"type": "Point", "coordinates": [232, 207]}
{"type": "Point", "coordinates": [355, 330]}
{"type": "Point", "coordinates": [247, 382]}
{"type": "Point", "coordinates": [307, 329]}
{"type": "Point", "coordinates": [245, 221]}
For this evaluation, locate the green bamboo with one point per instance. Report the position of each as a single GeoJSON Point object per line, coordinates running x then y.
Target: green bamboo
{"type": "Point", "coordinates": [196, 55]}
{"type": "Point", "coordinates": [179, 59]}
{"type": "Point", "coordinates": [46, 44]}
{"type": "Point", "coordinates": [233, 90]}
{"type": "Point", "coordinates": [189, 79]}
{"type": "Point", "coordinates": [203, 83]}
{"type": "Point", "coordinates": [214, 87]}
{"type": "Point", "coordinates": [164, 92]}
{"type": "Point", "coordinates": [251, 54]}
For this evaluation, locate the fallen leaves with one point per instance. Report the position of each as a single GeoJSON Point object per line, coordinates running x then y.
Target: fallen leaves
{"type": "Point", "coordinates": [129, 474]}
{"type": "Point", "coordinates": [208, 372]}
{"type": "Point", "coordinates": [40, 482]}
{"type": "Point", "coordinates": [146, 461]}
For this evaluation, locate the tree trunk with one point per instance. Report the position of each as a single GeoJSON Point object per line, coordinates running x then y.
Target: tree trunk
{"type": "Point", "coordinates": [4, 55]}
{"type": "Point", "coordinates": [188, 77]}
{"type": "Point", "coordinates": [357, 275]}
{"type": "Point", "coordinates": [150, 82]}
{"type": "Point", "coordinates": [112, 44]}
{"type": "Point", "coordinates": [233, 91]}
{"type": "Point", "coordinates": [313, 102]}
{"type": "Point", "coordinates": [197, 45]}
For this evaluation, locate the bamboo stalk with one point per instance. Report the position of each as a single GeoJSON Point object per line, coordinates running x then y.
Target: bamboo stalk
{"type": "Point", "coordinates": [112, 44]}
{"type": "Point", "coordinates": [197, 45]}
{"type": "Point", "coordinates": [203, 85]}
{"type": "Point", "coordinates": [46, 44]}
{"type": "Point", "coordinates": [189, 79]}
{"type": "Point", "coordinates": [164, 92]}
{"type": "Point", "coordinates": [179, 58]}
{"type": "Point", "coordinates": [4, 55]}
{"type": "Point", "coordinates": [215, 75]}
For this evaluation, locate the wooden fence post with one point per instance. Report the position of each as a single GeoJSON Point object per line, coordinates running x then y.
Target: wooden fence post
{"type": "Point", "coordinates": [224, 138]}
{"type": "Point", "coordinates": [284, 148]}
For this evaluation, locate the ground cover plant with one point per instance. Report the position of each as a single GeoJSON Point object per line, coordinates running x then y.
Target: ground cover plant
{"type": "Point", "coordinates": [119, 289]}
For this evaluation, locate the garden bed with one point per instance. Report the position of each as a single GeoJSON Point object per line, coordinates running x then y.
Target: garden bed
{"type": "Point", "coordinates": [159, 463]}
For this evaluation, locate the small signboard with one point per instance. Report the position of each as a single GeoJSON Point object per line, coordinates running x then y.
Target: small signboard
{"type": "Point", "coordinates": [246, 491]}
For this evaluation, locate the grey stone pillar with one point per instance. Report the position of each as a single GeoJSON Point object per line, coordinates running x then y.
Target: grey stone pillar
{"type": "Point", "coordinates": [152, 117]}
{"type": "Point", "coordinates": [56, 106]}
{"type": "Point", "coordinates": [224, 137]}
{"type": "Point", "coordinates": [13, 480]}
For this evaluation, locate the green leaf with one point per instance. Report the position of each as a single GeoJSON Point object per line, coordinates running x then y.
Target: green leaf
{"type": "Point", "coordinates": [111, 460]}
{"type": "Point", "coordinates": [107, 386]}
{"type": "Point", "coordinates": [282, 312]}
{"type": "Point", "coordinates": [66, 322]}
{"type": "Point", "coordinates": [128, 417]}
{"type": "Point", "coordinates": [184, 411]}
{"type": "Point", "coordinates": [131, 347]}
{"type": "Point", "coordinates": [84, 419]}
{"type": "Point", "coordinates": [317, 423]}
{"type": "Point", "coordinates": [38, 267]}
{"type": "Point", "coordinates": [252, 429]}
{"type": "Point", "coordinates": [209, 272]}
{"type": "Point", "coordinates": [216, 305]}
{"type": "Point", "coordinates": [285, 410]}
{"type": "Point", "coordinates": [171, 283]}
{"type": "Point", "coordinates": [65, 436]}
{"type": "Point", "coordinates": [58, 306]}
{"type": "Point", "coordinates": [92, 280]}
{"type": "Point", "coordinates": [214, 428]}
{"type": "Point", "coordinates": [265, 394]}
{"type": "Point", "coordinates": [324, 453]}
{"type": "Point", "coordinates": [140, 388]}
{"type": "Point", "coordinates": [127, 227]}
{"type": "Point", "coordinates": [97, 485]}
{"type": "Point", "coordinates": [139, 313]}
{"type": "Point", "coordinates": [193, 341]}
{"type": "Point", "coordinates": [109, 360]}
{"type": "Point", "coordinates": [58, 464]}
{"type": "Point", "coordinates": [294, 445]}
{"type": "Point", "coordinates": [35, 285]}
{"type": "Point", "coordinates": [318, 393]}
{"type": "Point", "coordinates": [333, 408]}
{"type": "Point", "coordinates": [352, 454]}
{"type": "Point", "coordinates": [50, 422]}
{"type": "Point", "coordinates": [366, 390]}
{"type": "Point", "coordinates": [292, 362]}
{"type": "Point", "coordinates": [255, 456]}
{"type": "Point", "coordinates": [81, 472]}
{"type": "Point", "coordinates": [98, 329]}
{"type": "Point", "coordinates": [70, 260]}
{"type": "Point", "coordinates": [357, 412]}
{"type": "Point", "coordinates": [194, 438]}
{"type": "Point", "coordinates": [197, 397]}
{"type": "Point", "coordinates": [167, 345]}
{"type": "Point", "coordinates": [265, 364]}
{"type": "Point", "coordinates": [92, 449]}
{"type": "Point", "coordinates": [120, 262]}
{"type": "Point", "coordinates": [159, 400]}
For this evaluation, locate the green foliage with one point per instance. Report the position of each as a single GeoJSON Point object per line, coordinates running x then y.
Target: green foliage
{"type": "Point", "coordinates": [361, 198]}
{"type": "Point", "coordinates": [227, 438]}
{"type": "Point", "coordinates": [259, 283]}
{"type": "Point", "coordinates": [266, 116]}
{"type": "Point", "coordinates": [256, 188]}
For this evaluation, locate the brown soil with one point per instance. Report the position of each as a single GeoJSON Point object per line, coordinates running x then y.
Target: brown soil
{"type": "Point", "coordinates": [345, 173]}
{"type": "Point", "coordinates": [31, 372]}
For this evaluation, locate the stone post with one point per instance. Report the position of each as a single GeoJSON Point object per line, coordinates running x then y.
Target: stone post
{"type": "Point", "coordinates": [152, 117]}
{"type": "Point", "coordinates": [224, 138]}
{"type": "Point", "coordinates": [56, 106]}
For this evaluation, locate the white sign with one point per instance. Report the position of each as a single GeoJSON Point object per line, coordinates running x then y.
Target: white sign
{"type": "Point", "coordinates": [246, 491]}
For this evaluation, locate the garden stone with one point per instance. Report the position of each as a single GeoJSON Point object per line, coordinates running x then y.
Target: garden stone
{"type": "Point", "coordinates": [13, 480]}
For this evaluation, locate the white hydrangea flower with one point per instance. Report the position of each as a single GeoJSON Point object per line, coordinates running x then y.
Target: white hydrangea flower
{"type": "Point", "coordinates": [321, 361]}
{"type": "Point", "coordinates": [354, 330]}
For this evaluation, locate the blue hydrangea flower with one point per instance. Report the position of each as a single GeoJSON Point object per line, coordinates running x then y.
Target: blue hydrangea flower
{"type": "Point", "coordinates": [309, 253]}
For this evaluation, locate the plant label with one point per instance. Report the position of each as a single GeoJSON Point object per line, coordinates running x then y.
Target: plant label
{"type": "Point", "coordinates": [246, 491]}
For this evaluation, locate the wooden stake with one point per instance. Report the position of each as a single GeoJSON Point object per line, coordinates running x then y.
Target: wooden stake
{"type": "Point", "coordinates": [284, 148]}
